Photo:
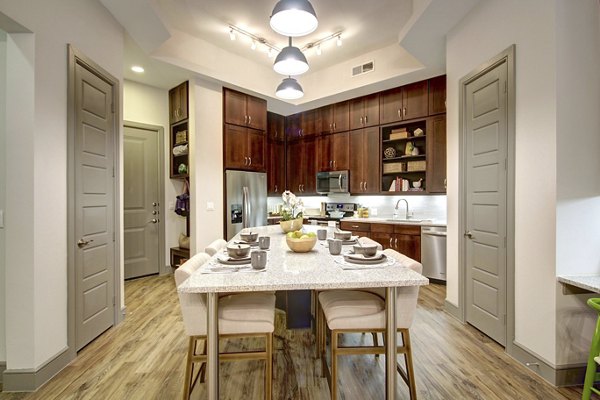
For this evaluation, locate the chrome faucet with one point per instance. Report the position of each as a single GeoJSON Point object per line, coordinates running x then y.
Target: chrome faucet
{"type": "Point", "coordinates": [396, 209]}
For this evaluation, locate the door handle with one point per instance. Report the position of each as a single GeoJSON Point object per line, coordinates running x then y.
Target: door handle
{"type": "Point", "coordinates": [245, 208]}
{"type": "Point", "coordinates": [153, 221]}
{"type": "Point", "coordinates": [468, 235]}
{"type": "Point", "coordinates": [82, 242]}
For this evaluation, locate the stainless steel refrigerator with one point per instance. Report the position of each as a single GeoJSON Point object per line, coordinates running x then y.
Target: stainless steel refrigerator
{"type": "Point", "coordinates": [246, 200]}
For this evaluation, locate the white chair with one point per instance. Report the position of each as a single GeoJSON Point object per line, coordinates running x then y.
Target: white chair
{"type": "Point", "coordinates": [215, 247]}
{"type": "Point", "coordinates": [348, 311]}
{"type": "Point", "coordinates": [240, 315]}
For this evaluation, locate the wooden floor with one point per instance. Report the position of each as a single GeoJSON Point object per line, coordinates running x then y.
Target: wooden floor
{"type": "Point", "coordinates": [143, 358]}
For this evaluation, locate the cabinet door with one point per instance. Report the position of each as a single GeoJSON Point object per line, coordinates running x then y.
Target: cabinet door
{"type": "Point", "coordinates": [326, 119]}
{"type": "Point", "coordinates": [235, 147]}
{"type": "Point", "coordinates": [372, 160]}
{"type": "Point", "coordinates": [384, 239]}
{"type": "Point", "coordinates": [371, 110]}
{"type": "Point", "coordinates": [183, 100]}
{"type": "Point", "coordinates": [436, 154]}
{"type": "Point", "coordinates": [415, 100]}
{"type": "Point", "coordinates": [257, 113]}
{"type": "Point", "coordinates": [357, 113]}
{"type": "Point", "coordinates": [294, 167]}
{"type": "Point", "coordinates": [357, 148]}
{"type": "Point", "coordinates": [173, 105]}
{"type": "Point", "coordinates": [235, 107]}
{"type": "Point", "coordinates": [324, 160]}
{"type": "Point", "coordinates": [341, 117]}
{"type": "Point", "coordinates": [275, 167]}
{"type": "Point", "coordinates": [275, 126]}
{"type": "Point", "coordinates": [409, 245]}
{"type": "Point", "coordinates": [390, 106]}
{"type": "Point", "coordinates": [308, 122]}
{"type": "Point", "coordinates": [309, 166]}
{"type": "Point", "coordinates": [256, 150]}
{"type": "Point", "coordinates": [340, 151]}
{"type": "Point", "coordinates": [293, 126]}
{"type": "Point", "coordinates": [437, 95]}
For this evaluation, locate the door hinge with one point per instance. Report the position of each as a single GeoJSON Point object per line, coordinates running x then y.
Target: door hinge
{"type": "Point", "coordinates": [113, 236]}
{"type": "Point", "coordinates": [112, 108]}
{"type": "Point", "coordinates": [113, 300]}
{"type": "Point", "coordinates": [113, 172]}
{"type": "Point", "coordinates": [504, 241]}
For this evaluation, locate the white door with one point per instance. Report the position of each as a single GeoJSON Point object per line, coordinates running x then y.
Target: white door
{"type": "Point", "coordinates": [486, 189]}
{"type": "Point", "coordinates": [141, 208]}
{"type": "Point", "coordinates": [94, 206]}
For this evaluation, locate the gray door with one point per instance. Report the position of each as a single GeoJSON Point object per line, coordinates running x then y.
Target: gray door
{"type": "Point", "coordinates": [486, 180]}
{"type": "Point", "coordinates": [141, 209]}
{"type": "Point", "coordinates": [94, 203]}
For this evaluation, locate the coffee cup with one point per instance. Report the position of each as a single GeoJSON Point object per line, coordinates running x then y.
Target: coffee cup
{"type": "Point", "coordinates": [258, 259]}
{"type": "Point", "coordinates": [264, 242]}
{"type": "Point", "coordinates": [322, 234]}
{"type": "Point", "coordinates": [335, 246]}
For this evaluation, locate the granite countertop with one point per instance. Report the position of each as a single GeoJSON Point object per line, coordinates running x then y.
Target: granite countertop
{"type": "Point", "coordinates": [287, 270]}
{"type": "Point", "coordinates": [587, 282]}
{"type": "Point", "coordinates": [388, 220]}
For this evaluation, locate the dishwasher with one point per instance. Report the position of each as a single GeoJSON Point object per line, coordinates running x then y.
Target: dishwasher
{"type": "Point", "coordinates": [433, 252]}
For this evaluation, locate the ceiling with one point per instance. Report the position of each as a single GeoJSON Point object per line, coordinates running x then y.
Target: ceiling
{"type": "Point", "coordinates": [175, 40]}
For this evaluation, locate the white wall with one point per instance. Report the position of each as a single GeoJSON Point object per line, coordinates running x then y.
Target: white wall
{"type": "Point", "coordinates": [2, 189]}
{"type": "Point", "coordinates": [36, 317]}
{"type": "Point", "coordinates": [206, 160]}
{"type": "Point", "coordinates": [150, 105]}
{"type": "Point", "coordinates": [578, 170]}
{"type": "Point", "coordinates": [490, 28]}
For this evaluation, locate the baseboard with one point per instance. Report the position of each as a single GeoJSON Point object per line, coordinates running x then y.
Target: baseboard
{"type": "Point", "coordinates": [557, 375]}
{"type": "Point", "coordinates": [2, 369]}
{"type": "Point", "coordinates": [29, 380]}
{"type": "Point", "coordinates": [453, 310]}
{"type": "Point", "coordinates": [123, 313]}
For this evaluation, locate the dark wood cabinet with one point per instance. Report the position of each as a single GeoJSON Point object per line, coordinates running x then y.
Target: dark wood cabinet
{"type": "Point", "coordinates": [178, 103]}
{"type": "Point", "coordinates": [293, 126]}
{"type": "Point", "coordinates": [364, 111]}
{"type": "Point", "coordinates": [301, 166]}
{"type": "Point", "coordinates": [357, 228]}
{"type": "Point", "coordinates": [405, 239]}
{"type": "Point", "coordinates": [333, 152]}
{"type": "Point", "coordinates": [437, 95]}
{"type": "Point", "coordinates": [364, 161]}
{"type": "Point", "coordinates": [436, 154]}
{"type": "Point", "coordinates": [275, 154]}
{"type": "Point", "coordinates": [244, 110]}
{"type": "Point", "coordinates": [308, 124]}
{"type": "Point", "coordinates": [275, 127]}
{"type": "Point", "coordinates": [404, 103]}
{"type": "Point", "coordinates": [244, 148]}
{"type": "Point", "coordinates": [335, 117]}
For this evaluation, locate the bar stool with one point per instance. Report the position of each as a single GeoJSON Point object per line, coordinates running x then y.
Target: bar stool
{"type": "Point", "coordinates": [591, 374]}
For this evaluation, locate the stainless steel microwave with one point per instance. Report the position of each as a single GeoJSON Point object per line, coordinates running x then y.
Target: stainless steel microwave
{"type": "Point", "coordinates": [332, 182]}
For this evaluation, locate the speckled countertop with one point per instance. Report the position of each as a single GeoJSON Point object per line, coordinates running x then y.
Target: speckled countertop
{"type": "Point", "coordinates": [587, 282]}
{"type": "Point", "coordinates": [287, 270]}
{"type": "Point", "coordinates": [390, 220]}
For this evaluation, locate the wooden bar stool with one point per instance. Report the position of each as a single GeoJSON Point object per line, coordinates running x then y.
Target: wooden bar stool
{"type": "Point", "coordinates": [591, 374]}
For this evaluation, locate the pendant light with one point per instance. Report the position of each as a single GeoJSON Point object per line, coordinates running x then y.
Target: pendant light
{"type": "Point", "coordinates": [290, 61]}
{"type": "Point", "coordinates": [294, 18]}
{"type": "Point", "coordinates": [289, 89]}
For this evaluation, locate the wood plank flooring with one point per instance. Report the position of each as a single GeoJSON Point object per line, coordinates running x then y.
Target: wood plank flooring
{"type": "Point", "coordinates": [143, 358]}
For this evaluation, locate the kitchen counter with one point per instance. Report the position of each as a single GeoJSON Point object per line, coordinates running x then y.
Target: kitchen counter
{"type": "Point", "coordinates": [388, 220]}
{"type": "Point", "coordinates": [589, 283]}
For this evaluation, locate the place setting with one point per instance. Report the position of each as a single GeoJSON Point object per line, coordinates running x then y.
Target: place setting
{"type": "Point", "coordinates": [239, 257]}
{"type": "Point", "coordinates": [360, 256]}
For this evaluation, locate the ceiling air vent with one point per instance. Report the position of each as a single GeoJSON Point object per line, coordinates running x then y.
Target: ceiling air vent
{"type": "Point", "coordinates": [363, 69]}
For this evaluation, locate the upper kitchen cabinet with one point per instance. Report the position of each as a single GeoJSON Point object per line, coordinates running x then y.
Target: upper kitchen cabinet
{"type": "Point", "coordinates": [437, 95]}
{"type": "Point", "coordinates": [436, 154]}
{"type": "Point", "coordinates": [364, 111]}
{"type": "Point", "coordinates": [293, 126]}
{"type": "Point", "coordinates": [244, 148]}
{"type": "Point", "coordinates": [244, 110]}
{"type": "Point", "coordinates": [275, 154]}
{"type": "Point", "coordinates": [301, 166]}
{"type": "Point", "coordinates": [364, 161]}
{"type": "Point", "coordinates": [335, 117]}
{"type": "Point", "coordinates": [404, 103]}
{"type": "Point", "coordinates": [178, 103]}
{"type": "Point", "coordinates": [333, 152]}
{"type": "Point", "coordinates": [308, 124]}
{"type": "Point", "coordinates": [275, 127]}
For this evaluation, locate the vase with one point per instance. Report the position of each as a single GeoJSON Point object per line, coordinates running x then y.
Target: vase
{"type": "Point", "coordinates": [291, 225]}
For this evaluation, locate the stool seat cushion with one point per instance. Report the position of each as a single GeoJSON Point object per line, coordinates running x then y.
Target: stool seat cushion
{"type": "Point", "coordinates": [247, 313]}
{"type": "Point", "coordinates": [352, 309]}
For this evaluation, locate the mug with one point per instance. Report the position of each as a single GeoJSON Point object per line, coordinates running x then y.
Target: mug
{"type": "Point", "coordinates": [322, 234]}
{"type": "Point", "coordinates": [258, 259]}
{"type": "Point", "coordinates": [335, 246]}
{"type": "Point", "coordinates": [264, 242]}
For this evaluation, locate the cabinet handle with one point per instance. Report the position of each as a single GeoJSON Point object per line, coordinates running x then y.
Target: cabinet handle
{"type": "Point", "coordinates": [299, 188]}
{"type": "Point", "coordinates": [360, 187]}
{"type": "Point", "coordinates": [390, 243]}
{"type": "Point", "coordinates": [365, 186]}
{"type": "Point", "coordinates": [249, 161]}
{"type": "Point", "coordinates": [404, 109]}
{"type": "Point", "coordinates": [249, 119]}
{"type": "Point", "coordinates": [365, 119]}
{"type": "Point", "coordinates": [334, 165]}
{"type": "Point", "coordinates": [245, 160]}
{"type": "Point", "coordinates": [361, 120]}
{"type": "Point", "coordinates": [276, 189]}
{"type": "Point", "coordinates": [399, 113]}
{"type": "Point", "coordinates": [334, 126]}
{"type": "Point", "coordinates": [355, 226]}
{"type": "Point", "coordinates": [396, 243]}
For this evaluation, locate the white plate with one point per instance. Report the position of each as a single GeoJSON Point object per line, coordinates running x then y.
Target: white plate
{"type": "Point", "coordinates": [356, 259]}
{"type": "Point", "coordinates": [223, 259]}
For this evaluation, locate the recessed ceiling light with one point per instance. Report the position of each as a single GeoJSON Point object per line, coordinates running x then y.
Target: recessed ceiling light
{"type": "Point", "coordinates": [137, 68]}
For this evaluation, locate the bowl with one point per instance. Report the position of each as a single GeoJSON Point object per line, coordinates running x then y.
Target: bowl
{"type": "Point", "coordinates": [344, 235]}
{"type": "Point", "coordinates": [301, 245]}
{"type": "Point", "coordinates": [249, 237]}
{"type": "Point", "coordinates": [238, 250]}
{"type": "Point", "coordinates": [336, 214]}
{"type": "Point", "coordinates": [368, 250]}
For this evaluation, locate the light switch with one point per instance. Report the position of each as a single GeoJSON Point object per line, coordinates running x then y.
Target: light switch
{"type": "Point", "coordinates": [210, 206]}
{"type": "Point", "coordinates": [171, 205]}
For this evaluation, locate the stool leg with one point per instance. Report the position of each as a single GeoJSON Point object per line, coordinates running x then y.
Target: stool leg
{"type": "Point", "coordinates": [590, 372]}
{"type": "Point", "coordinates": [375, 342]}
{"type": "Point", "coordinates": [334, 367]}
{"type": "Point", "coordinates": [269, 367]}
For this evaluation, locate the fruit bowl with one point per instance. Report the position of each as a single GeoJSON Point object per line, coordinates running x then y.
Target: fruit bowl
{"type": "Point", "coordinates": [299, 242]}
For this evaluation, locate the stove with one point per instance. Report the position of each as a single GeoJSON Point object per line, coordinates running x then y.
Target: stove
{"type": "Point", "coordinates": [347, 208]}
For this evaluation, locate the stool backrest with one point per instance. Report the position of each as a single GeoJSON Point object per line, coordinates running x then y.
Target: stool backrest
{"type": "Point", "coordinates": [193, 305]}
{"type": "Point", "coordinates": [406, 297]}
{"type": "Point", "coordinates": [215, 247]}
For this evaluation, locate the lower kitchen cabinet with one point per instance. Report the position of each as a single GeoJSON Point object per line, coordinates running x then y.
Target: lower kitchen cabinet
{"type": "Point", "coordinates": [357, 228]}
{"type": "Point", "coordinates": [405, 239]}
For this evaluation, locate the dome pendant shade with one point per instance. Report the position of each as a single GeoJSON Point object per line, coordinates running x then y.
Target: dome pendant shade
{"type": "Point", "coordinates": [294, 18]}
{"type": "Point", "coordinates": [290, 61]}
{"type": "Point", "coordinates": [289, 89]}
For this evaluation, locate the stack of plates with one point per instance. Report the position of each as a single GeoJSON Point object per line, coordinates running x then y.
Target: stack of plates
{"type": "Point", "coordinates": [362, 259]}
{"type": "Point", "coordinates": [248, 243]}
{"type": "Point", "coordinates": [225, 259]}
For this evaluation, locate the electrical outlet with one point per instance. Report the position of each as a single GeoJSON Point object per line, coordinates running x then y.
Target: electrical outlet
{"type": "Point", "coordinates": [210, 206]}
{"type": "Point", "coordinates": [373, 212]}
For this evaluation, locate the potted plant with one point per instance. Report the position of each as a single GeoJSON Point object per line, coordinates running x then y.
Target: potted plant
{"type": "Point", "coordinates": [291, 212]}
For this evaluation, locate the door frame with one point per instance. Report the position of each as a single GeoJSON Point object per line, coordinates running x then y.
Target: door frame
{"type": "Point", "coordinates": [507, 56]}
{"type": "Point", "coordinates": [162, 270]}
{"type": "Point", "coordinates": [76, 57]}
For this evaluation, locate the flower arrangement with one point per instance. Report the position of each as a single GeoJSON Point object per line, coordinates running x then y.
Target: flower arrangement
{"type": "Point", "coordinates": [292, 206]}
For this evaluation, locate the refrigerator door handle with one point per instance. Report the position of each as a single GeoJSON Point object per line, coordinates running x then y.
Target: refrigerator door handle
{"type": "Point", "coordinates": [245, 208]}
